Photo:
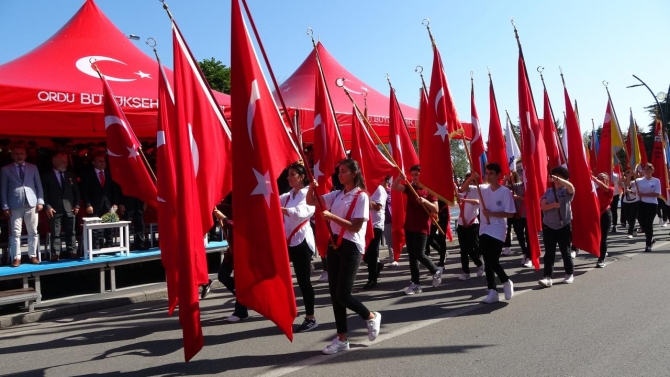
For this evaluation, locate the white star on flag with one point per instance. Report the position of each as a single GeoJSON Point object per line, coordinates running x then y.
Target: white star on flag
{"type": "Point", "coordinates": [317, 171]}
{"type": "Point", "coordinates": [264, 186]}
{"type": "Point", "coordinates": [132, 152]}
{"type": "Point", "coordinates": [441, 130]}
{"type": "Point", "coordinates": [143, 75]}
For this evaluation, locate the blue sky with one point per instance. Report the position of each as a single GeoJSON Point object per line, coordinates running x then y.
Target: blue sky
{"type": "Point", "coordinates": [591, 40]}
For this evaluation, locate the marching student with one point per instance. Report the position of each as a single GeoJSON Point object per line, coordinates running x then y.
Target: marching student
{"type": "Point", "coordinates": [371, 257]}
{"type": "Point", "coordinates": [299, 238]}
{"type": "Point", "coordinates": [495, 206]}
{"type": "Point", "coordinates": [648, 189]}
{"type": "Point", "coordinates": [605, 193]}
{"type": "Point", "coordinates": [629, 203]}
{"type": "Point", "coordinates": [468, 228]}
{"type": "Point", "coordinates": [349, 211]}
{"type": "Point", "coordinates": [557, 228]}
{"type": "Point", "coordinates": [417, 227]}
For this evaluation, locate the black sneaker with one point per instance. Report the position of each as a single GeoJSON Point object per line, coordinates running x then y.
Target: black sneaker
{"type": "Point", "coordinates": [601, 263]}
{"type": "Point", "coordinates": [205, 289]}
{"type": "Point", "coordinates": [647, 249]}
{"type": "Point", "coordinates": [370, 285]}
{"type": "Point", "coordinates": [308, 324]}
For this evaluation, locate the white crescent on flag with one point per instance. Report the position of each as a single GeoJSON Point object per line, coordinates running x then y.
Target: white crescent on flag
{"type": "Point", "coordinates": [251, 109]}
{"type": "Point", "coordinates": [85, 66]}
{"type": "Point", "coordinates": [112, 119]}
{"type": "Point", "coordinates": [476, 131]}
{"type": "Point", "coordinates": [194, 150]}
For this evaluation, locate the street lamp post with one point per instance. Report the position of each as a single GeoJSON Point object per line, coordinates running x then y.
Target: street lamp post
{"type": "Point", "coordinates": [660, 109]}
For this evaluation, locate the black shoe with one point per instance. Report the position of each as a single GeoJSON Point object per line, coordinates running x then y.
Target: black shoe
{"type": "Point", "coordinates": [370, 285]}
{"type": "Point", "coordinates": [380, 267]}
{"type": "Point", "coordinates": [647, 249]}
{"type": "Point", "coordinates": [308, 324]}
{"type": "Point", "coordinates": [601, 263]}
{"type": "Point", "coordinates": [614, 229]}
{"type": "Point", "coordinates": [205, 289]}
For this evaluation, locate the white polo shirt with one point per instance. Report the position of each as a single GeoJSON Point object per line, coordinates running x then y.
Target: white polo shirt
{"type": "Point", "coordinates": [299, 214]}
{"type": "Point", "coordinates": [339, 203]}
{"type": "Point", "coordinates": [378, 217]}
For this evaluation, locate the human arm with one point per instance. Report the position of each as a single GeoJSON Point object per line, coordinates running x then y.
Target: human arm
{"type": "Point", "coordinates": [39, 190]}
{"type": "Point", "coordinates": [563, 182]}
{"type": "Point", "coordinates": [599, 183]}
{"type": "Point", "coordinates": [396, 185]}
{"type": "Point", "coordinates": [465, 186]}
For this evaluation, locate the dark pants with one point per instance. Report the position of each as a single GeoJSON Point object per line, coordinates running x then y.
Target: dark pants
{"type": "Point", "coordinates": [629, 212]}
{"type": "Point", "coordinates": [137, 218]}
{"type": "Point", "coordinates": [437, 240]}
{"type": "Point", "coordinates": [508, 236]}
{"type": "Point", "coordinates": [301, 257]}
{"type": "Point", "coordinates": [491, 248]}
{"type": "Point", "coordinates": [662, 211]}
{"type": "Point", "coordinates": [646, 214]}
{"type": "Point", "coordinates": [468, 241]}
{"type": "Point", "coordinates": [225, 272]}
{"type": "Point", "coordinates": [521, 230]}
{"type": "Point", "coordinates": [605, 224]}
{"type": "Point", "coordinates": [343, 265]}
{"type": "Point", "coordinates": [372, 255]}
{"type": "Point", "coordinates": [102, 238]}
{"type": "Point", "coordinates": [561, 237]}
{"type": "Point", "coordinates": [63, 222]}
{"type": "Point", "coordinates": [614, 207]}
{"type": "Point", "coordinates": [416, 244]}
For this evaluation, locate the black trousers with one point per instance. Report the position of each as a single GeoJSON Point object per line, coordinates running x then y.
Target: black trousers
{"type": "Point", "coordinates": [225, 272]}
{"type": "Point", "coordinates": [614, 207]}
{"type": "Point", "coordinates": [562, 237]}
{"type": "Point", "coordinates": [343, 265]}
{"type": "Point", "coordinates": [301, 257]}
{"type": "Point", "coordinates": [508, 236]}
{"type": "Point", "coordinates": [437, 240]}
{"type": "Point", "coordinates": [662, 211]}
{"type": "Point", "coordinates": [646, 214]}
{"type": "Point", "coordinates": [416, 244]}
{"type": "Point", "coordinates": [64, 222]}
{"type": "Point", "coordinates": [605, 224]}
{"type": "Point", "coordinates": [521, 230]}
{"type": "Point", "coordinates": [491, 248]}
{"type": "Point", "coordinates": [468, 241]}
{"type": "Point", "coordinates": [629, 213]}
{"type": "Point", "coordinates": [372, 254]}
{"type": "Point", "coordinates": [137, 218]}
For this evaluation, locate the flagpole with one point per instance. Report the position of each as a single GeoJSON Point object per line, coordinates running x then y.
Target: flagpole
{"type": "Point", "coordinates": [130, 130]}
{"type": "Point", "coordinates": [512, 129]}
{"type": "Point", "coordinates": [551, 110]}
{"type": "Point", "coordinates": [369, 126]}
{"type": "Point", "coordinates": [609, 98]}
{"type": "Point", "coordinates": [419, 70]}
{"type": "Point", "coordinates": [518, 42]}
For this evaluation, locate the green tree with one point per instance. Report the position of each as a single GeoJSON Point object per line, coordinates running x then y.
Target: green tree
{"type": "Point", "coordinates": [217, 74]}
{"type": "Point", "coordinates": [459, 159]}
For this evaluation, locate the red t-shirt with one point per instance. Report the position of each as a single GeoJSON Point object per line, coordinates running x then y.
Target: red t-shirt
{"type": "Point", "coordinates": [417, 220]}
{"type": "Point", "coordinates": [605, 198]}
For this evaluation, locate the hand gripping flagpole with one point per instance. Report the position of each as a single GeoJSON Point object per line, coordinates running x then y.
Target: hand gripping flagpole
{"type": "Point", "coordinates": [139, 147]}
{"type": "Point", "coordinates": [340, 83]}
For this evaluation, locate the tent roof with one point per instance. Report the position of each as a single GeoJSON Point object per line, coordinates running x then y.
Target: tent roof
{"type": "Point", "coordinates": [53, 90]}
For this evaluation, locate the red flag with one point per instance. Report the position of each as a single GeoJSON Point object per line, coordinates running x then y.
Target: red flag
{"type": "Point", "coordinates": [123, 149]}
{"type": "Point", "coordinates": [441, 121]}
{"type": "Point", "coordinates": [403, 153]}
{"type": "Point", "coordinates": [534, 162]}
{"type": "Point", "coordinates": [659, 160]}
{"type": "Point", "coordinates": [549, 135]}
{"type": "Point", "coordinates": [585, 219]}
{"type": "Point", "coordinates": [210, 133]}
{"type": "Point", "coordinates": [643, 150]}
{"type": "Point", "coordinates": [328, 151]}
{"type": "Point", "coordinates": [497, 151]}
{"type": "Point", "coordinates": [262, 150]}
{"type": "Point", "coordinates": [611, 142]}
{"type": "Point", "coordinates": [477, 143]}
{"type": "Point", "coordinates": [165, 184]}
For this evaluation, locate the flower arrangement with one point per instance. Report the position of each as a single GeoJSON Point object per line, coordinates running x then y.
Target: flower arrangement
{"type": "Point", "coordinates": [110, 217]}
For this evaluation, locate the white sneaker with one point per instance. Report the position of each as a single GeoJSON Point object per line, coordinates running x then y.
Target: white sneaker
{"type": "Point", "coordinates": [546, 282]}
{"type": "Point", "coordinates": [393, 264]}
{"type": "Point", "coordinates": [464, 277]}
{"type": "Point", "coordinates": [665, 224]}
{"type": "Point", "coordinates": [529, 263]}
{"type": "Point", "coordinates": [630, 236]}
{"type": "Point", "coordinates": [336, 346]}
{"type": "Point", "coordinates": [413, 289]}
{"type": "Point", "coordinates": [569, 279]}
{"type": "Point", "coordinates": [480, 271]}
{"type": "Point", "coordinates": [506, 251]}
{"type": "Point", "coordinates": [508, 287]}
{"type": "Point", "coordinates": [437, 277]}
{"type": "Point", "coordinates": [373, 326]}
{"type": "Point", "coordinates": [491, 297]}
{"type": "Point", "coordinates": [573, 254]}
{"type": "Point", "coordinates": [324, 277]}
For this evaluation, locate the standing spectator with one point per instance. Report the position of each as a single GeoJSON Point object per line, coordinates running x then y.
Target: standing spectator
{"type": "Point", "coordinates": [100, 194]}
{"type": "Point", "coordinates": [21, 198]}
{"type": "Point", "coordinates": [648, 189]}
{"type": "Point", "coordinates": [61, 198]}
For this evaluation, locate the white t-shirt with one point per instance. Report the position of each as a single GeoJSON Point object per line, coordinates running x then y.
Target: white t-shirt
{"type": "Point", "coordinates": [630, 197]}
{"type": "Point", "coordinates": [339, 203]}
{"type": "Point", "coordinates": [378, 217]}
{"type": "Point", "coordinates": [615, 182]}
{"type": "Point", "coordinates": [299, 214]}
{"type": "Point", "coordinates": [646, 186]}
{"type": "Point", "coordinates": [469, 211]}
{"type": "Point", "coordinates": [500, 200]}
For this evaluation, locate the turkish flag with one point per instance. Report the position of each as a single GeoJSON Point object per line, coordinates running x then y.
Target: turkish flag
{"type": "Point", "coordinates": [262, 150]}
{"type": "Point", "coordinates": [209, 131]}
{"type": "Point", "coordinates": [403, 153]}
{"type": "Point", "coordinates": [165, 184]}
{"type": "Point", "coordinates": [477, 143]}
{"type": "Point", "coordinates": [534, 162]}
{"type": "Point", "coordinates": [660, 161]}
{"type": "Point", "coordinates": [585, 219]}
{"type": "Point", "coordinates": [497, 151]}
{"type": "Point", "coordinates": [328, 152]}
{"type": "Point", "coordinates": [441, 120]}
{"type": "Point", "coordinates": [123, 149]}
{"type": "Point", "coordinates": [550, 136]}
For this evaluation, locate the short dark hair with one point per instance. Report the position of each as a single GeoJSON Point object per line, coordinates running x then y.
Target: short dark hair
{"type": "Point", "coordinates": [561, 172]}
{"type": "Point", "coordinates": [415, 168]}
{"type": "Point", "coordinates": [300, 169]}
{"type": "Point", "coordinates": [494, 166]}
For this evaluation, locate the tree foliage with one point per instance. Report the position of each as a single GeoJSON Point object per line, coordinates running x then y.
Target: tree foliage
{"type": "Point", "coordinates": [217, 74]}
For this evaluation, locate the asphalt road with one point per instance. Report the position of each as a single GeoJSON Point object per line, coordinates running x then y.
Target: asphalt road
{"type": "Point", "coordinates": [610, 322]}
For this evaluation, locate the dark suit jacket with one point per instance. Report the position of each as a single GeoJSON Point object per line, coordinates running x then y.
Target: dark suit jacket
{"type": "Point", "coordinates": [100, 198]}
{"type": "Point", "coordinates": [61, 200]}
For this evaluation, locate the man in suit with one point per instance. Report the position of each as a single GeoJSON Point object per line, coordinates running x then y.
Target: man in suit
{"type": "Point", "coordinates": [100, 194]}
{"type": "Point", "coordinates": [21, 198]}
{"type": "Point", "coordinates": [61, 199]}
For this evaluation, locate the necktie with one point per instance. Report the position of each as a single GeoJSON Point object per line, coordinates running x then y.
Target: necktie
{"type": "Point", "coordinates": [22, 174]}
{"type": "Point", "coordinates": [101, 175]}
{"type": "Point", "coordinates": [62, 181]}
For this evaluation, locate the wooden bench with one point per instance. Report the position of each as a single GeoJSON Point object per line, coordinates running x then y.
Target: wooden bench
{"type": "Point", "coordinates": [27, 295]}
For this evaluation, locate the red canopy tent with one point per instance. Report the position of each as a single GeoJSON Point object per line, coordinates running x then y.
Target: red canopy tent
{"type": "Point", "coordinates": [53, 90]}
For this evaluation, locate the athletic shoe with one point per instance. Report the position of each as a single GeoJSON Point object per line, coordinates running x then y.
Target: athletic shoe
{"type": "Point", "coordinates": [546, 282]}
{"type": "Point", "coordinates": [464, 277]}
{"type": "Point", "coordinates": [529, 263]}
{"type": "Point", "coordinates": [308, 324]}
{"type": "Point", "coordinates": [373, 326]}
{"type": "Point", "coordinates": [336, 346]}
{"type": "Point", "coordinates": [506, 251]}
{"type": "Point", "coordinates": [647, 249]}
{"type": "Point", "coordinates": [324, 277]}
{"type": "Point", "coordinates": [573, 254]}
{"type": "Point", "coordinates": [393, 264]}
{"type": "Point", "coordinates": [601, 263]}
{"type": "Point", "coordinates": [437, 277]}
{"type": "Point", "coordinates": [665, 224]}
{"type": "Point", "coordinates": [480, 271]}
{"type": "Point", "coordinates": [370, 284]}
{"type": "Point", "coordinates": [653, 240]}
{"type": "Point", "coordinates": [233, 318]}
{"type": "Point", "coordinates": [614, 229]}
{"type": "Point", "coordinates": [491, 297]}
{"type": "Point", "coordinates": [508, 287]}
{"type": "Point", "coordinates": [569, 279]}
{"type": "Point", "coordinates": [205, 289]}
{"type": "Point", "coordinates": [413, 289]}
{"type": "Point", "coordinates": [635, 233]}
{"type": "Point", "coordinates": [630, 236]}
